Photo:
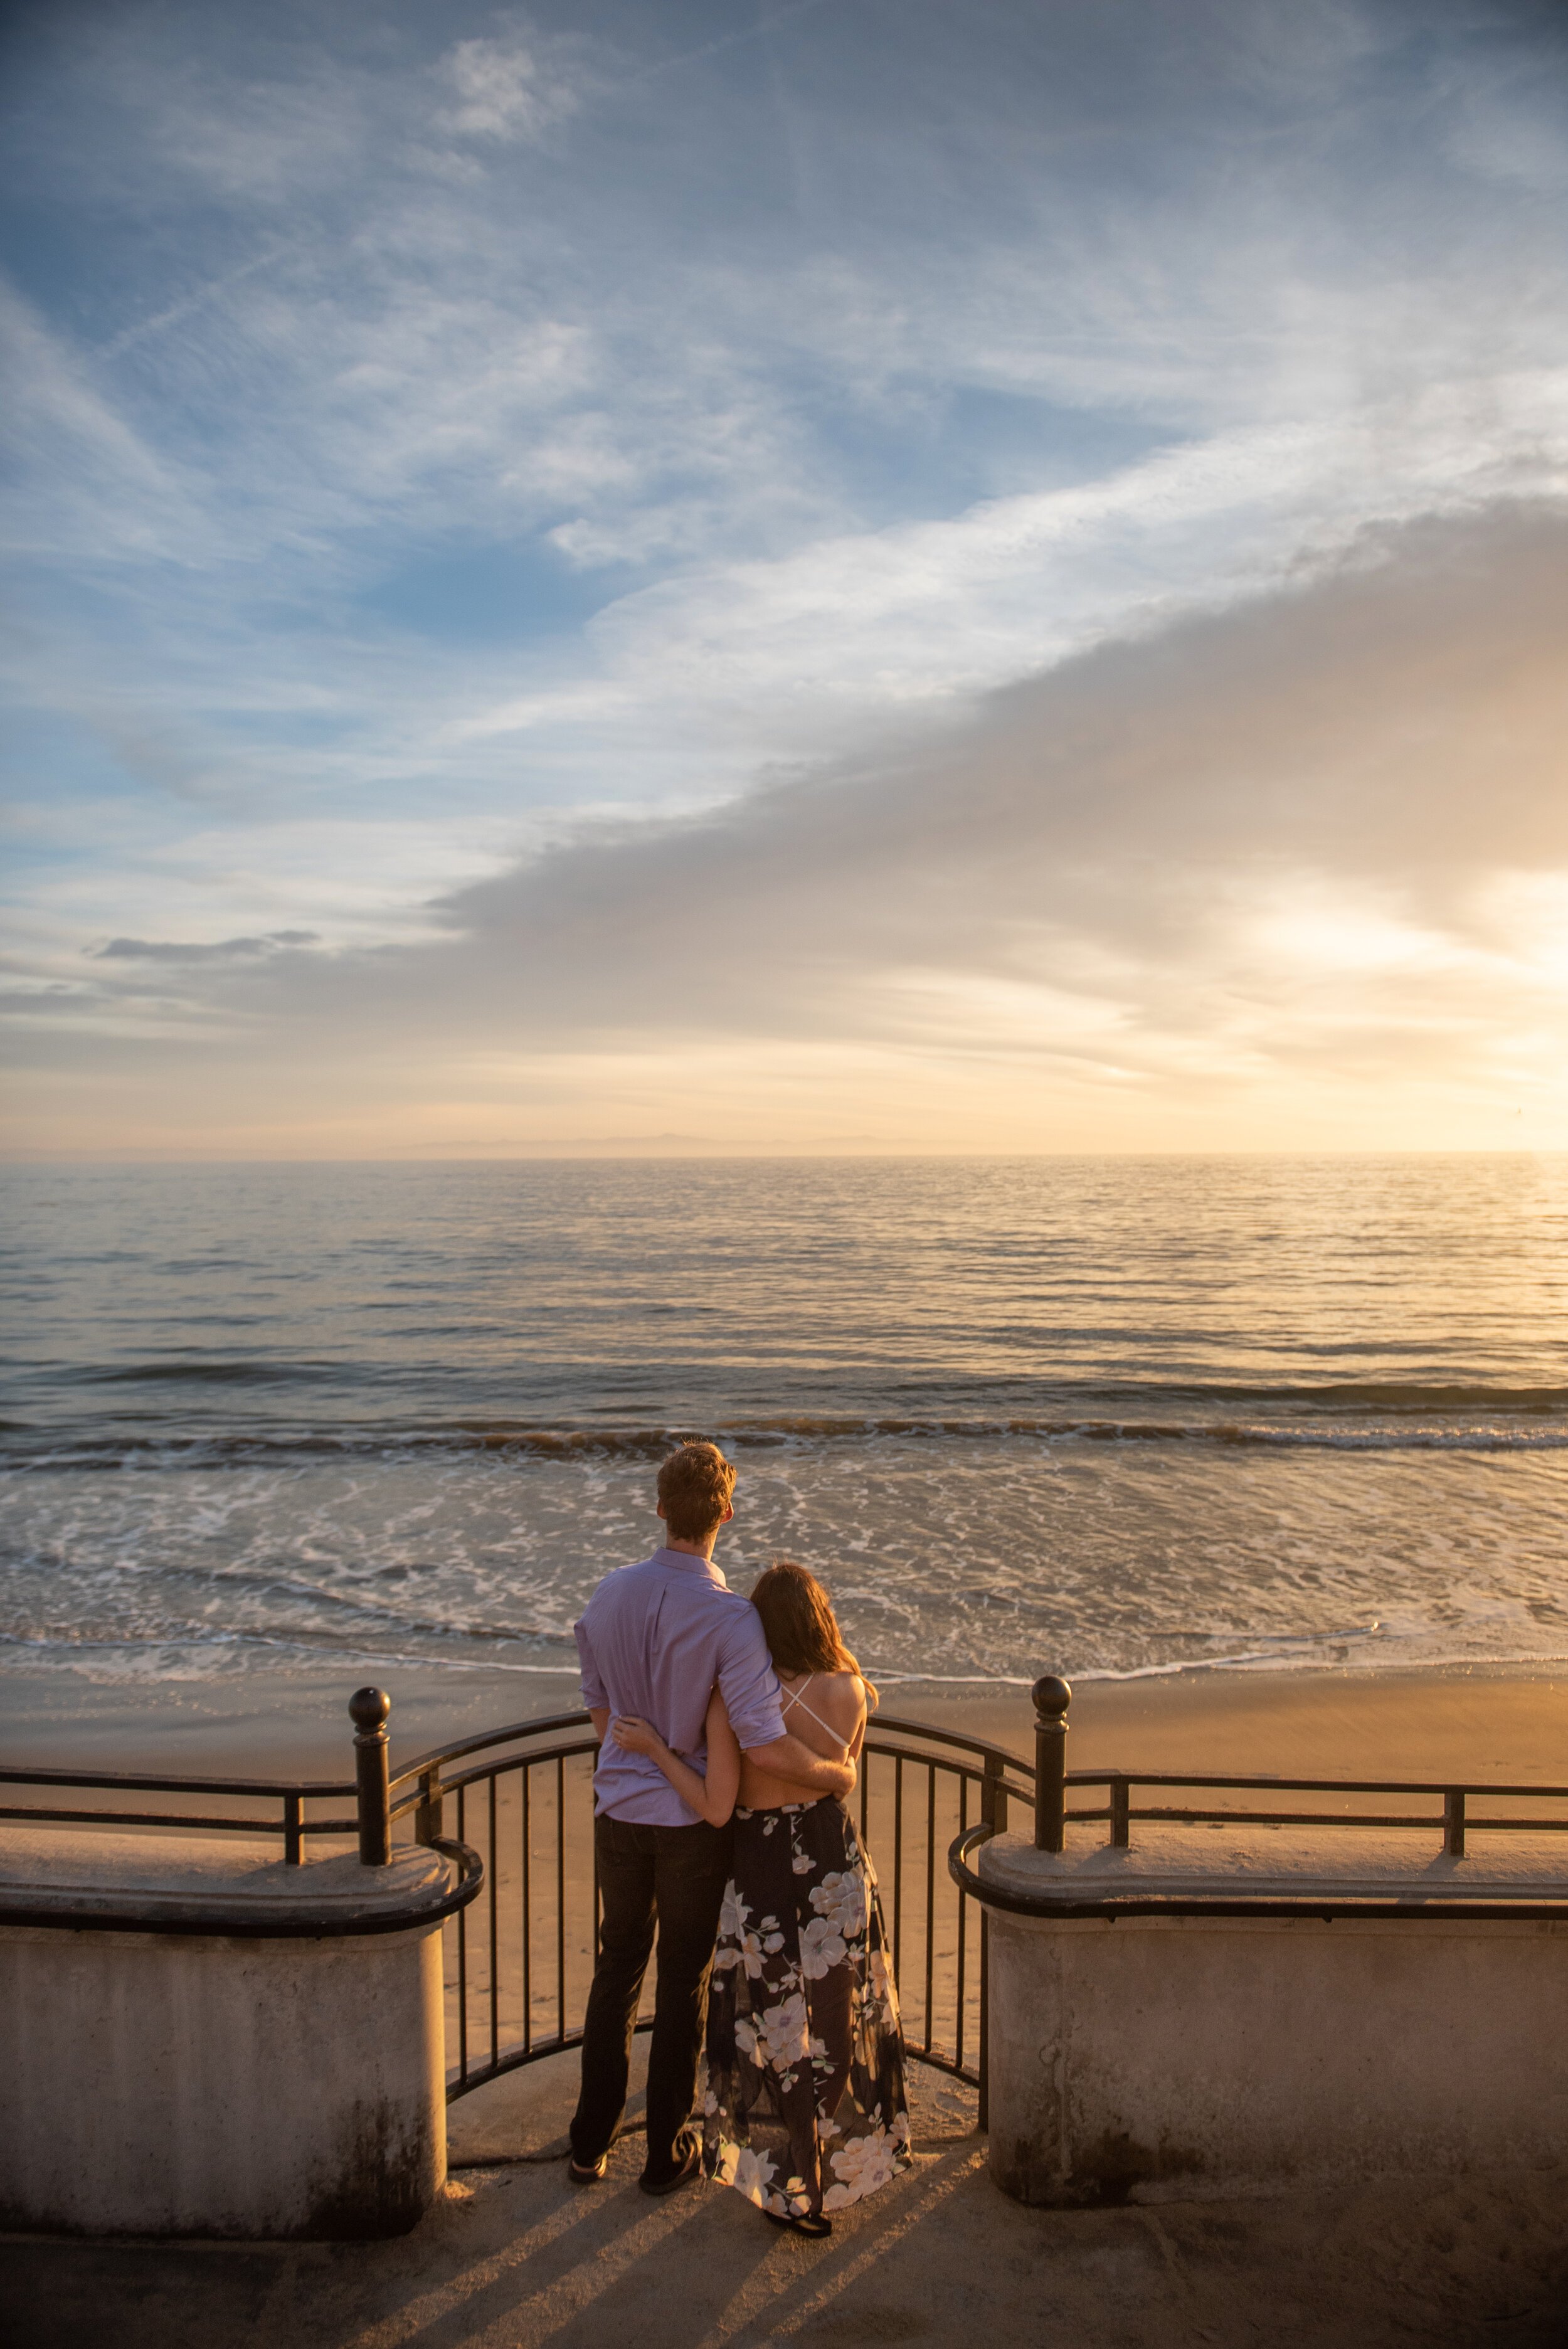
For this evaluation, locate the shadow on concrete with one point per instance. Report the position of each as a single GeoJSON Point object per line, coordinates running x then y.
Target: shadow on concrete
{"type": "Point", "coordinates": [517, 2258]}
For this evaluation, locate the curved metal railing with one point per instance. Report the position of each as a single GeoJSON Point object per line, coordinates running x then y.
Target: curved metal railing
{"type": "Point", "coordinates": [519, 1962]}
{"type": "Point", "coordinates": [522, 1936]}
{"type": "Point", "coordinates": [520, 1952]}
{"type": "Point", "coordinates": [1457, 1817]}
{"type": "Point", "coordinates": [293, 1821]}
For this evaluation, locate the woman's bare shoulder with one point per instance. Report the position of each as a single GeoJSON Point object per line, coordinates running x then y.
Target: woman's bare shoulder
{"type": "Point", "coordinates": [840, 1692]}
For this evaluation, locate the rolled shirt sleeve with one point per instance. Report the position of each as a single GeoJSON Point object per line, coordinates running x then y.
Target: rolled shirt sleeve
{"type": "Point", "coordinates": [746, 1681]}
{"type": "Point", "coordinates": [596, 1696]}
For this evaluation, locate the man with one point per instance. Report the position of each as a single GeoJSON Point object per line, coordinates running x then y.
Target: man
{"type": "Point", "coordinates": [654, 1639]}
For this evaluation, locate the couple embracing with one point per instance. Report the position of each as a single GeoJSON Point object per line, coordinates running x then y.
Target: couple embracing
{"type": "Point", "coordinates": [729, 1734]}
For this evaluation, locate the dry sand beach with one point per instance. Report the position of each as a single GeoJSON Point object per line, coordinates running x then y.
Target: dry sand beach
{"type": "Point", "coordinates": [1475, 1720]}
{"type": "Point", "coordinates": [516, 2259]}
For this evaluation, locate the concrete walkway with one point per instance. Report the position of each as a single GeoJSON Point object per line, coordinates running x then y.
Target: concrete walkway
{"type": "Point", "coordinates": [517, 2258]}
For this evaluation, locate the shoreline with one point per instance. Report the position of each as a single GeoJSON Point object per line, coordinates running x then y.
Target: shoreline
{"type": "Point", "coordinates": [1475, 1720]}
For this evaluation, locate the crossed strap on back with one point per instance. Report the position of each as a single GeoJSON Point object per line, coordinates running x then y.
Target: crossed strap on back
{"type": "Point", "coordinates": [797, 1696]}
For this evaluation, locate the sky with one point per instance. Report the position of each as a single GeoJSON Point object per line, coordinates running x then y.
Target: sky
{"type": "Point", "coordinates": [840, 576]}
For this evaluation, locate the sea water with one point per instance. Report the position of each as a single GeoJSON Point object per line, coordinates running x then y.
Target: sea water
{"type": "Point", "coordinates": [1100, 1416]}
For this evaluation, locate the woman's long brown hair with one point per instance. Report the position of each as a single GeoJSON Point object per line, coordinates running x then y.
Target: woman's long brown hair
{"type": "Point", "coordinates": [801, 1629]}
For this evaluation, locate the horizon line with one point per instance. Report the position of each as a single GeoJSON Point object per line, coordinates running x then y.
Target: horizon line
{"type": "Point", "coordinates": [39, 1161]}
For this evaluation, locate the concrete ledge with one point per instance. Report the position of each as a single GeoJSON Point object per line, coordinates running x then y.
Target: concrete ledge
{"type": "Point", "coordinates": [1259, 1871]}
{"type": "Point", "coordinates": [197, 2040]}
{"type": "Point", "coordinates": [1198, 2018]}
{"type": "Point", "coordinates": [125, 1880]}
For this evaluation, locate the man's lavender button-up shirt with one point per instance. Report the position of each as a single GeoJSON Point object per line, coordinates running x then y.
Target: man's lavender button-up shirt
{"type": "Point", "coordinates": [654, 1639]}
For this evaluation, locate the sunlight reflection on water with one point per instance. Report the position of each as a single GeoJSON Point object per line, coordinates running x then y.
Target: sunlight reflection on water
{"type": "Point", "coordinates": [1114, 1415]}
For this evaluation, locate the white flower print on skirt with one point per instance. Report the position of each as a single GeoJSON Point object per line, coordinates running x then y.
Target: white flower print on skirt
{"type": "Point", "coordinates": [805, 2109]}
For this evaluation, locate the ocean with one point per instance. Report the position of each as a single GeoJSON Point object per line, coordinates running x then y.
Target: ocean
{"type": "Point", "coordinates": [1099, 1416]}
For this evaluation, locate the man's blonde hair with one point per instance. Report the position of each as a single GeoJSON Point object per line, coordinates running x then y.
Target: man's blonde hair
{"type": "Point", "coordinates": [694, 1487]}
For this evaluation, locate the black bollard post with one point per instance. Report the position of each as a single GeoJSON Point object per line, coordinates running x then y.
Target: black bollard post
{"type": "Point", "coordinates": [368, 1709]}
{"type": "Point", "coordinates": [1052, 1697]}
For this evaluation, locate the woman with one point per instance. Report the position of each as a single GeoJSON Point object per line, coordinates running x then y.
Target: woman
{"type": "Point", "coordinates": [805, 2111]}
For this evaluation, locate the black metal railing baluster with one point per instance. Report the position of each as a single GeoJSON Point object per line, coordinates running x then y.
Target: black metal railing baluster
{"type": "Point", "coordinates": [561, 1898]}
{"type": "Point", "coordinates": [427, 1817]}
{"type": "Point", "coordinates": [494, 1874]}
{"type": "Point", "coordinates": [593, 1844]}
{"type": "Point", "coordinates": [960, 1994]}
{"type": "Point", "coordinates": [897, 1862]}
{"type": "Point", "coordinates": [462, 1954]}
{"type": "Point", "coordinates": [994, 1796]}
{"type": "Point", "coordinates": [526, 1774]}
{"type": "Point", "coordinates": [294, 1829]}
{"type": "Point", "coordinates": [983, 2114]}
{"type": "Point", "coordinates": [993, 1816]}
{"type": "Point", "coordinates": [930, 1897]}
{"type": "Point", "coordinates": [1454, 1823]}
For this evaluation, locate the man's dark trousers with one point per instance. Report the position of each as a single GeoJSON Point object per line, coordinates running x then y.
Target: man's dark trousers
{"type": "Point", "coordinates": [674, 1878]}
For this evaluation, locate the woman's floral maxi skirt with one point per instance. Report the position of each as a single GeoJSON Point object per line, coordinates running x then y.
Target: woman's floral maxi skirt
{"type": "Point", "coordinates": [805, 2108]}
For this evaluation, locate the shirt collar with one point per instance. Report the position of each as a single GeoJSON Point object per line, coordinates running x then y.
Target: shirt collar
{"type": "Point", "coordinates": [684, 1563]}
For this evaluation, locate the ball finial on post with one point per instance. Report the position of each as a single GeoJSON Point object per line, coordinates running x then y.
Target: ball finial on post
{"type": "Point", "coordinates": [368, 1709]}
{"type": "Point", "coordinates": [1052, 1697]}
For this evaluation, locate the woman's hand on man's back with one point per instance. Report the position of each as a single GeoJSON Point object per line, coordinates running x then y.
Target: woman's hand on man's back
{"type": "Point", "coordinates": [635, 1734]}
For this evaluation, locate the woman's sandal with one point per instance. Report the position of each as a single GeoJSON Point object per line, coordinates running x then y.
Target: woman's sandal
{"type": "Point", "coordinates": [804, 2222]}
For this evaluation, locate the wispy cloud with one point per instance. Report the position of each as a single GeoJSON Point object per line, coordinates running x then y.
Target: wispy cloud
{"type": "Point", "coordinates": [1293, 870]}
{"type": "Point", "coordinates": [504, 88]}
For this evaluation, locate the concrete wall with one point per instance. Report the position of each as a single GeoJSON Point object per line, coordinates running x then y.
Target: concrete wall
{"type": "Point", "coordinates": [1151, 2058]}
{"type": "Point", "coordinates": [177, 2084]}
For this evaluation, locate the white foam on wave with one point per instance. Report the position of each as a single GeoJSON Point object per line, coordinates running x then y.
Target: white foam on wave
{"type": "Point", "coordinates": [971, 1564]}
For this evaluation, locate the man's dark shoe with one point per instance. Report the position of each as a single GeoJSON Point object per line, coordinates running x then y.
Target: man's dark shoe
{"type": "Point", "coordinates": [691, 2167]}
{"type": "Point", "coordinates": [588, 2173]}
